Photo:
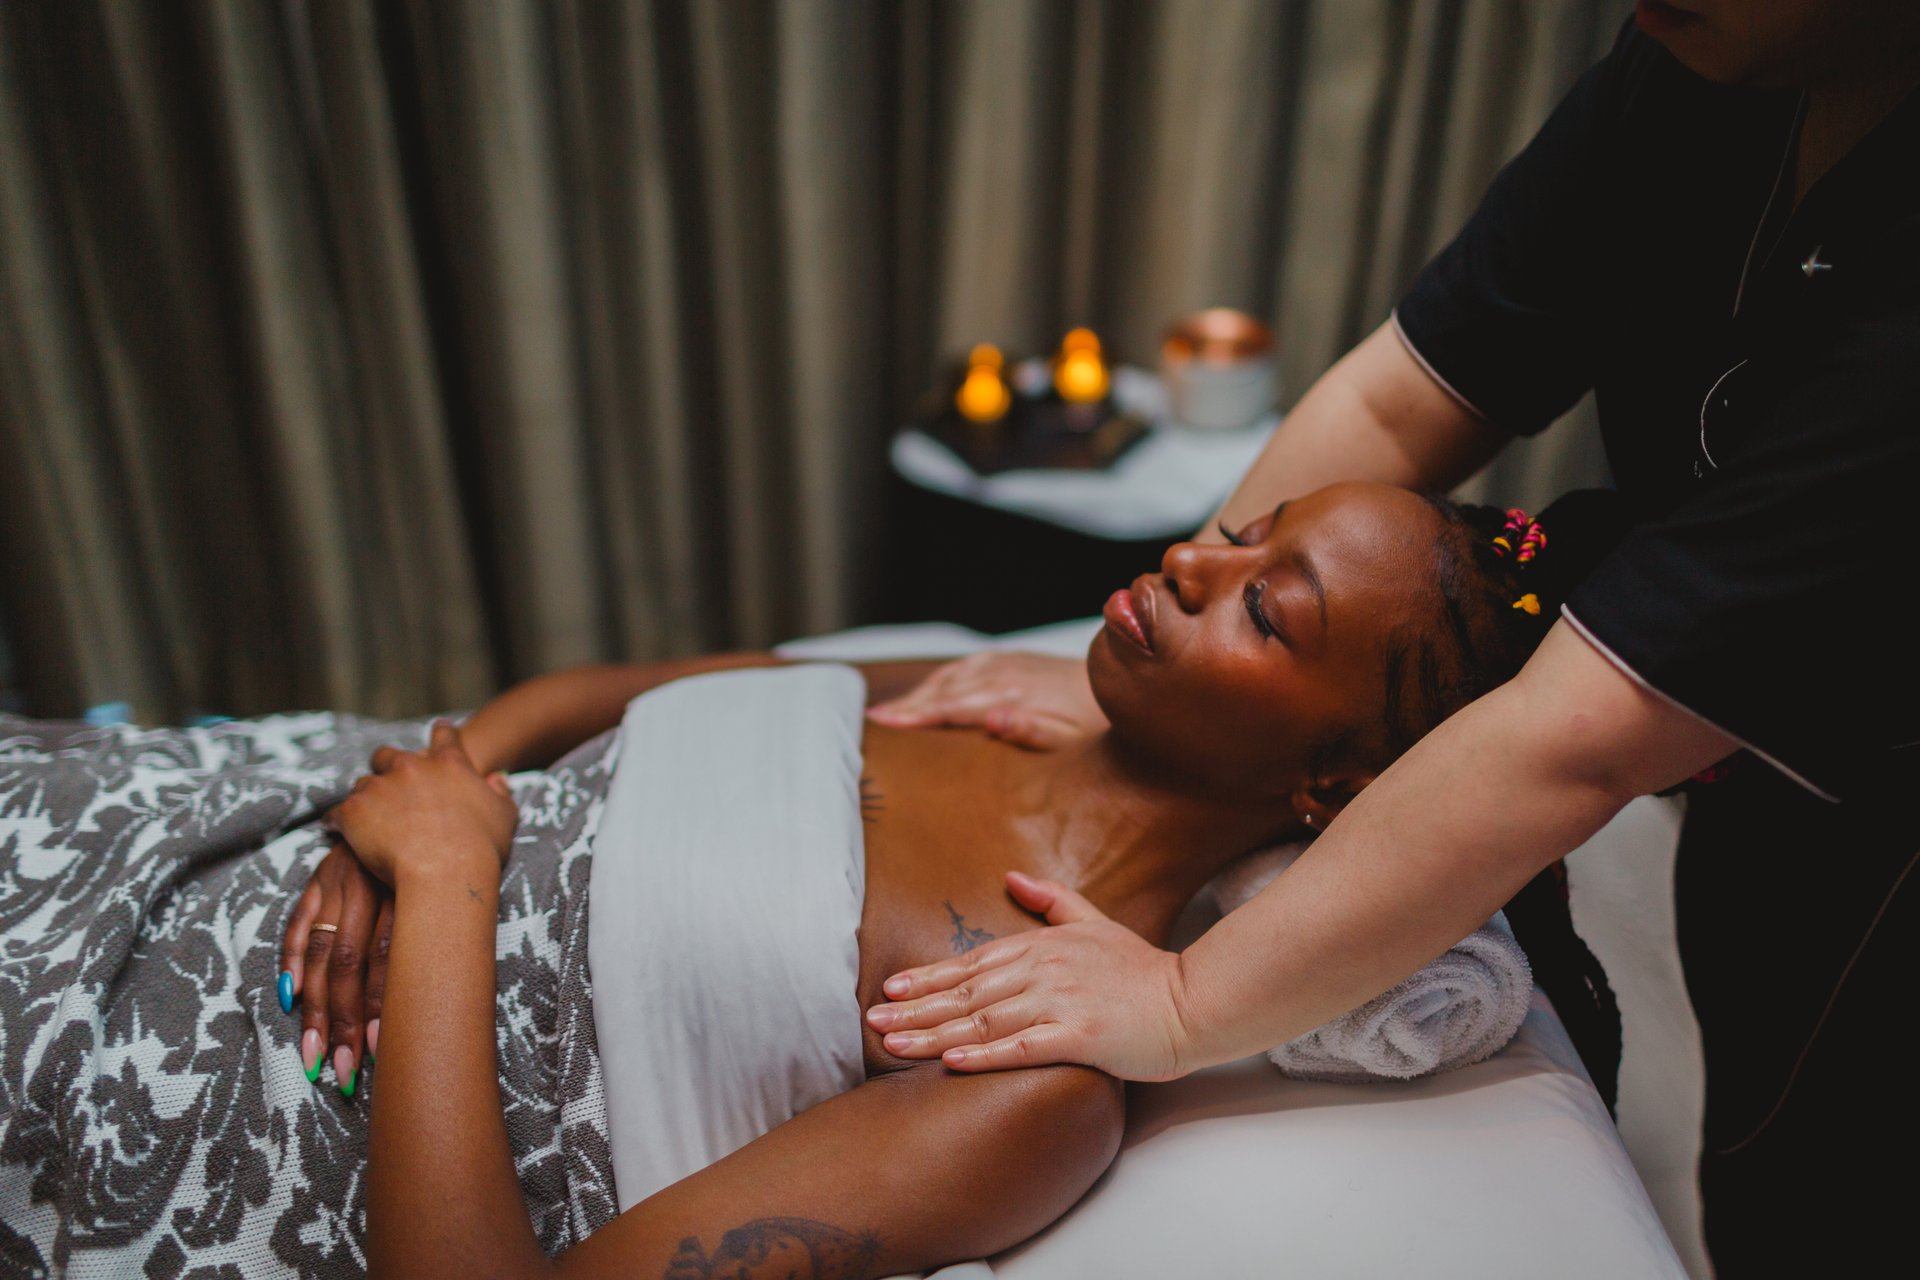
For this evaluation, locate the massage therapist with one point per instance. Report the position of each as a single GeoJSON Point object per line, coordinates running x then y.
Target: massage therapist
{"type": "Point", "coordinates": [1717, 232]}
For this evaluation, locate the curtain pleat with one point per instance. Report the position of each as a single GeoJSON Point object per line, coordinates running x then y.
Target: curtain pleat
{"type": "Point", "coordinates": [370, 354]}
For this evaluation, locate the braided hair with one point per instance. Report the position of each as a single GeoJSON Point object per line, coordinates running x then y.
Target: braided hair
{"type": "Point", "coordinates": [1503, 576]}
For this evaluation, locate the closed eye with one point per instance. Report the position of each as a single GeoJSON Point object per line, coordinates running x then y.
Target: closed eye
{"type": "Point", "coordinates": [1255, 530]}
{"type": "Point", "coordinates": [1252, 595]}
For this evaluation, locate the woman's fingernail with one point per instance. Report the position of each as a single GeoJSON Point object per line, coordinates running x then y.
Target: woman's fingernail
{"type": "Point", "coordinates": [286, 990]}
{"type": "Point", "coordinates": [879, 1016]}
{"type": "Point", "coordinates": [343, 1071]}
{"type": "Point", "coordinates": [954, 1057]}
{"type": "Point", "coordinates": [373, 1039]}
{"type": "Point", "coordinates": [310, 1054]}
{"type": "Point", "coordinates": [900, 1042]}
{"type": "Point", "coordinates": [895, 986]}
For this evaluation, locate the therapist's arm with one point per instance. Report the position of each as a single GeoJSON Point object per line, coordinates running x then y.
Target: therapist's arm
{"type": "Point", "coordinates": [1416, 862]}
{"type": "Point", "coordinates": [1376, 415]}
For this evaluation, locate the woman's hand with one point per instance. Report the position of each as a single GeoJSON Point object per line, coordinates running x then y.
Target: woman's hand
{"type": "Point", "coordinates": [339, 973]}
{"type": "Point", "coordinates": [1030, 699]}
{"type": "Point", "coordinates": [1087, 990]}
{"type": "Point", "coordinates": [423, 811]}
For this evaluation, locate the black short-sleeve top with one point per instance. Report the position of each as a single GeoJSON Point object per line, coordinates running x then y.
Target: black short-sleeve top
{"type": "Point", "coordinates": [1757, 373]}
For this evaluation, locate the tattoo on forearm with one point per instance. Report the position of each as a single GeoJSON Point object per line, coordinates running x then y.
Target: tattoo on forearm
{"type": "Point", "coordinates": [872, 803]}
{"type": "Point", "coordinates": [778, 1248]}
{"type": "Point", "coordinates": [964, 939]}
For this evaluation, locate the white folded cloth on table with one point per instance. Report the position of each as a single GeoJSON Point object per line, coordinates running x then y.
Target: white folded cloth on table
{"type": "Point", "coordinates": [1461, 1008]}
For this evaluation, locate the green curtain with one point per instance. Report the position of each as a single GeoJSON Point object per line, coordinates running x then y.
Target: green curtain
{"type": "Point", "coordinates": [365, 354]}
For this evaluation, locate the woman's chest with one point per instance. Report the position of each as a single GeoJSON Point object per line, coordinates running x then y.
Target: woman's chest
{"type": "Point", "coordinates": [936, 859]}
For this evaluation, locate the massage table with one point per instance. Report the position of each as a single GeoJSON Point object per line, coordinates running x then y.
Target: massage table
{"type": "Point", "coordinates": [1509, 1168]}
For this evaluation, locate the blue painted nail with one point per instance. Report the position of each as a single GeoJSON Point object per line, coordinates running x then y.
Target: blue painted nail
{"type": "Point", "coordinates": [286, 991]}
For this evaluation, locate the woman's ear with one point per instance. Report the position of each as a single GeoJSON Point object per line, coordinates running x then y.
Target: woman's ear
{"type": "Point", "coordinates": [1321, 800]}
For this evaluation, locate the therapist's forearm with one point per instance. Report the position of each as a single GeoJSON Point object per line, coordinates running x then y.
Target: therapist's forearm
{"type": "Point", "coordinates": [1376, 415]}
{"type": "Point", "coordinates": [1434, 846]}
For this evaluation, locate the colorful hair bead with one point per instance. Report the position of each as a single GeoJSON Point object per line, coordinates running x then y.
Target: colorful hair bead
{"type": "Point", "coordinates": [1523, 529]}
{"type": "Point", "coordinates": [1528, 603]}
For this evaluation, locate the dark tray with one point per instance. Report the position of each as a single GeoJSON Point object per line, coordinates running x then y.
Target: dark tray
{"type": "Point", "coordinates": [1039, 432]}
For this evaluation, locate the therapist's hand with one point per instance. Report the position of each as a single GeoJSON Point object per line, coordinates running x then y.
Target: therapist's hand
{"type": "Point", "coordinates": [1087, 990]}
{"type": "Point", "coordinates": [1031, 699]}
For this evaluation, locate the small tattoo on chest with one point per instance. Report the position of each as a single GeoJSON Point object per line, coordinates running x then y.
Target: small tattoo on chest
{"type": "Point", "coordinates": [964, 937]}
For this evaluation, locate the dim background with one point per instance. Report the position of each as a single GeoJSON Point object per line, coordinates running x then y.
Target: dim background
{"type": "Point", "coordinates": [368, 355]}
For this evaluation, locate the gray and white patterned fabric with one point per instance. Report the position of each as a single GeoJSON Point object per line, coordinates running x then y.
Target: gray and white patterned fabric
{"type": "Point", "coordinates": [154, 1117]}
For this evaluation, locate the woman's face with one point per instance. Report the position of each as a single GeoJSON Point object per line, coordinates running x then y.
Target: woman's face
{"type": "Point", "coordinates": [1234, 663]}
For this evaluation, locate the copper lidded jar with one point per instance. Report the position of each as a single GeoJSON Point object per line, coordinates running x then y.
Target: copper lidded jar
{"type": "Point", "coordinates": [1218, 366]}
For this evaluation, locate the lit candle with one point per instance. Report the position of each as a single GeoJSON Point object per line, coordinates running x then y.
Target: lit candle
{"type": "Point", "coordinates": [1079, 372]}
{"type": "Point", "coordinates": [984, 396]}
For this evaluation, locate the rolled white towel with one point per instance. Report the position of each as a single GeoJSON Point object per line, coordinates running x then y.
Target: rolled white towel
{"type": "Point", "coordinates": [1461, 1008]}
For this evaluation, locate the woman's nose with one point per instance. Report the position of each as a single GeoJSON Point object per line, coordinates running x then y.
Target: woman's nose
{"type": "Point", "coordinates": [1196, 571]}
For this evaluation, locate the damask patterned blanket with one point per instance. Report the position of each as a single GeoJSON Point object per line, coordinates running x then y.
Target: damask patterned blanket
{"type": "Point", "coordinates": [154, 1117]}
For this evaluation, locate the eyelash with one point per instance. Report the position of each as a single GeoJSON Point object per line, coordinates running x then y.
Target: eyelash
{"type": "Point", "coordinates": [1254, 592]}
{"type": "Point", "coordinates": [1251, 596]}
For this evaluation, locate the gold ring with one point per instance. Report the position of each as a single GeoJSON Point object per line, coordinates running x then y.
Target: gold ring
{"type": "Point", "coordinates": [326, 928]}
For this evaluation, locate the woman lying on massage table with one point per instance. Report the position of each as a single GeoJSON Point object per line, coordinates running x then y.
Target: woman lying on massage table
{"type": "Point", "coordinates": [1252, 688]}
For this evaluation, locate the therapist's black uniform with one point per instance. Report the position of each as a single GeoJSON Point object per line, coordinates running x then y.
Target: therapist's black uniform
{"type": "Point", "coordinates": [1757, 373]}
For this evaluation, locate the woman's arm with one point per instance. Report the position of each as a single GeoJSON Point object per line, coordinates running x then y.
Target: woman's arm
{"type": "Point", "coordinates": [909, 1170]}
{"type": "Point", "coordinates": [539, 720]}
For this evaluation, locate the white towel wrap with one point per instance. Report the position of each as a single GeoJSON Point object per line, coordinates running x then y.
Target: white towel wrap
{"type": "Point", "coordinates": [1461, 1008]}
{"type": "Point", "coordinates": [729, 872]}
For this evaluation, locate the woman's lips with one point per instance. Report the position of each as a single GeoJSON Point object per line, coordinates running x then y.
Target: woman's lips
{"type": "Point", "coordinates": [1122, 616]}
{"type": "Point", "coordinates": [1146, 608]}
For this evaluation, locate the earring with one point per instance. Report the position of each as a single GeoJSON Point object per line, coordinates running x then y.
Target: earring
{"type": "Point", "coordinates": [1308, 819]}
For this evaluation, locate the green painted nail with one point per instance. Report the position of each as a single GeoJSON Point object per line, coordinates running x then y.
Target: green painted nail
{"type": "Point", "coordinates": [310, 1055]}
{"type": "Point", "coordinates": [346, 1088]}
